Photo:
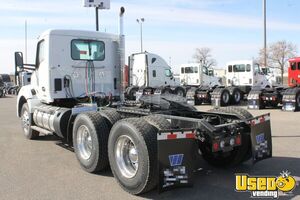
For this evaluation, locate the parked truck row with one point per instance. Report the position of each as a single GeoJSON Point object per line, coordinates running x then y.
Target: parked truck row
{"type": "Point", "coordinates": [153, 142]}
{"type": "Point", "coordinates": [288, 97]}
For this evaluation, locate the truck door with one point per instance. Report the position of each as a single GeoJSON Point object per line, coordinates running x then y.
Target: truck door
{"type": "Point", "coordinates": [42, 72]}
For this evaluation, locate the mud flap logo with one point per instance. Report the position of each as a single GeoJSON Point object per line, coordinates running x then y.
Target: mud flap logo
{"type": "Point", "coordinates": [175, 160]}
{"type": "Point", "coordinates": [265, 186]}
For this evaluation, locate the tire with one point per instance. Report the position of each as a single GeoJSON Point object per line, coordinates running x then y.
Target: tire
{"type": "Point", "coordinates": [1, 92]}
{"type": "Point", "coordinates": [141, 137]}
{"type": "Point", "coordinates": [180, 91]}
{"type": "Point", "coordinates": [132, 93]}
{"type": "Point", "coordinates": [297, 102]}
{"type": "Point", "coordinates": [225, 97]}
{"type": "Point", "coordinates": [240, 112]}
{"type": "Point", "coordinates": [158, 122]}
{"type": "Point", "coordinates": [111, 116]}
{"type": "Point", "coordinates": [166, 90]}
{"type": "Point", "coordinates": [92, 157]}
{"type": "Point", "coordinates": [26, 123]}
{"type": "Point", "coordinates": [238, 154]}
{"type": "Point", "coordinates": [236, 96]}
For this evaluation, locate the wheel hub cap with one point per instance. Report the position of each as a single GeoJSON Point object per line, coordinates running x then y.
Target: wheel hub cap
{"type": "Point", "coordinates": [84, 142]}
{"type": "Point", "coordinates": [25, 121]}
{"type": "Point", "coordinates": [126, 156]}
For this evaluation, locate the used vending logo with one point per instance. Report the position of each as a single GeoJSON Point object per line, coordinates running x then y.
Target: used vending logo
{"type": "Point", "coordinates": [265, 186]}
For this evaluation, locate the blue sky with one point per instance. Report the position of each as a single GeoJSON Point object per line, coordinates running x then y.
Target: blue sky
{"type": "Point", "coordinates": [173, 28]}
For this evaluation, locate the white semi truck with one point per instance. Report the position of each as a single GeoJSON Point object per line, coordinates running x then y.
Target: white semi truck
{"type": "Point", "coordinates": [241, 76]}
{"type": "Point", "coordinates": [154, 142]}
{"type": "Point", "coordinates": [148, 72]}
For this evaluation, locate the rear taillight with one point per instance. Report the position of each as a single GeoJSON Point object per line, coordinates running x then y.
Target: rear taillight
{"type": "Point", "coordinates": [238, 140]}
{"type": "Point", "coordinates": [215, 146]}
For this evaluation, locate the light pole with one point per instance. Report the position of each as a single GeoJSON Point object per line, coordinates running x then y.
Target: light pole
{"type": "Point", "coordinates": [265, 32]}
{"type": "Point", "coordinates": [141, 21]}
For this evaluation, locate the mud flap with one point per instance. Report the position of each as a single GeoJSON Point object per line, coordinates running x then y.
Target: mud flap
{"type": "Point", "coordinates": [254, 100]}
{"type": "Point", "coordinates": [176, 158]}
{"type": "Point", "coordinates": [261, 139]}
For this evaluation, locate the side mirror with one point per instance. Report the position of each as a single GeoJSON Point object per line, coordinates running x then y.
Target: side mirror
{"type": "Point", "coordinates": [19, 60]}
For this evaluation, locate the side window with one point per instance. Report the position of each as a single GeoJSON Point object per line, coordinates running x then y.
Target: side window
{"type": "Point", "coordinates": [87, 50]}
{"type": "Point", "coordinates": [182, 70]}
{"type": "Point", "coordinates": [248, 67]}
{"type": "Point", "coordinates": [154, 73]}
{"type": "Point", "coordinates": [168, 73]}
{"type": "Point", "coordinates": [293, 66]}
{"type": "Point", "coordinates": [298, 65]}
{"type": "Point", "coordinates": [229, 68]}
{"type": "Point", "coordinates": [40, 53]}
{"type": "Point", "coordinates": [195, 69]}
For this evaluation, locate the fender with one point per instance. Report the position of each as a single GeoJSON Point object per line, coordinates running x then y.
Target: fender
{"type": "Point", "coordinates": [27, 94]}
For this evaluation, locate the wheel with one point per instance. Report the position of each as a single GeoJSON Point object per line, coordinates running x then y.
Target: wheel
{"type": "Point", "coordinates": [180, 91]}
{"type": "Point", "coordinates": [111, 116]}
{"type": "Point", "coordinates": [1, 92]}
{"type": "Point", "coordinates": [237, 96]}
{"type": "Point", "coordinates": [26, 123]}
{"type": "Point", "coordinates": [158, 122]}
{"type": "Point", "coordinates": [166, 90]}
{"type": "Point", "coordinates": [132, 93]}
{"type": "Point", "coordinates": [132, 150]}
{"type": "Point", "coordinates": [238, 154]}
{"type": "Point", "coordinates": [225, 97]}
{"type": "Point", "coordinates": [90, 137]}
{"type": "Point", "coordinates": [298, 101]}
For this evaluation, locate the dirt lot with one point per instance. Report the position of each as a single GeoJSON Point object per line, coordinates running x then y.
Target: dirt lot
{"type": "Point", "coordinates": [42, 169]}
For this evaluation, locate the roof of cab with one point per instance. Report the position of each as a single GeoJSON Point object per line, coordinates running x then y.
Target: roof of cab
{"type": "Point", "coordinates": [78, 33]}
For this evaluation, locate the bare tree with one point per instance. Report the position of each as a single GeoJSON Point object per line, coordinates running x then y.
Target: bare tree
{"type": "Point", "coordinates": [278, 54]}
{"type": "Point", "coordinates": [203, 55]}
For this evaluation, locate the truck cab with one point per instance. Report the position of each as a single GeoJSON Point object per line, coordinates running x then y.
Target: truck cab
{"type": "Point", "coordinates": [195, 74]}
{"type": "Point", "coordinates": [150, 70]}
{"type": "Point", "coordinates": [294, 72]}
{"type": "Point", "coordinates": [246, 73]}
{"type": "Point", "coordinates": [73, 64]}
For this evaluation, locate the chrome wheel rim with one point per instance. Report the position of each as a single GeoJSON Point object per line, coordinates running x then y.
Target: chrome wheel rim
{"type": "Point", "coordinates": [84, 142]}
{"type": "Point", "coordinates": [126, 156]}
{"type": "Point", "coordinates": [25, 122]}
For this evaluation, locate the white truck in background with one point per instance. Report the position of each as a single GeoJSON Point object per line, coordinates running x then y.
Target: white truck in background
{"type": "Point", "coordinates": [148, 72]}
{"type": "Point", "coordinates": [194, 74]}
{"type": "Point", "coordinates": [241, 76]}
